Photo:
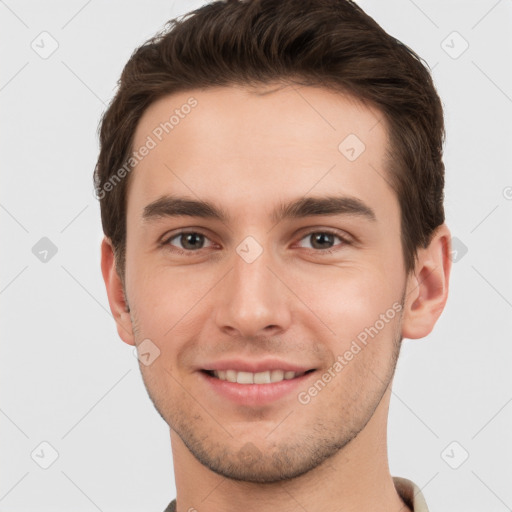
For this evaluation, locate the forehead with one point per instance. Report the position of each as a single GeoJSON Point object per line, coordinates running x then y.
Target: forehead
{"type": "Point", "coordinates": [246, 148]}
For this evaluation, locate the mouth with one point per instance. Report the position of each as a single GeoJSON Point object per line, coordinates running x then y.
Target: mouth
{"type": "Point", "coordinates": [263, 377]}
{"type": "Point", "coordinates": [254, 389]}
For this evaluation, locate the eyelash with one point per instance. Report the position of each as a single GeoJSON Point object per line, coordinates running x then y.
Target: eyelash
{"type": "Point", "coordinates": [166, 242]}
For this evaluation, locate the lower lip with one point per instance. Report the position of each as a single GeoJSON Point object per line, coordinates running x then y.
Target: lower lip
{"type": "Point", "coordinates": [255, 394]}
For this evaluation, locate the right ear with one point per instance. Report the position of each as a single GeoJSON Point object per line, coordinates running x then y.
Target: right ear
{"type": "Point", "coordinates": [115, 292]}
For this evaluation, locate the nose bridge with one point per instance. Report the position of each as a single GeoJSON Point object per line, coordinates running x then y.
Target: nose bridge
{"type": "Point", "coordinates": [253, 298]}
{"type": "Point", "coordinates": [251, 273]}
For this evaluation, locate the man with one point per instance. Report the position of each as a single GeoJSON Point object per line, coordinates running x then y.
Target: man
{"type": "Point", "coordinates": [300, 147]}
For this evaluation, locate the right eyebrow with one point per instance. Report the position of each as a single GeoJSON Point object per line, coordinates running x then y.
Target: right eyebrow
{"type": "Point", "coordinates": [172, 206]}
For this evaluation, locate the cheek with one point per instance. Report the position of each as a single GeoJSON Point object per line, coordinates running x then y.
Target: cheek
{"type": "Point", "coordinates": [347, 299]}
{"type": "Point", "coordinates": [170, 306]}
{"type": "Point", "coordinates": [159, 289]}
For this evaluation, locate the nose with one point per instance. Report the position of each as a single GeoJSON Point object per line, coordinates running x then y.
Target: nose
{"type": "Point", "coordinates": [253, 299]}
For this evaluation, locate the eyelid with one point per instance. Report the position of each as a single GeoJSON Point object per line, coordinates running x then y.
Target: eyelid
{"type": "Point", "coordinates": [344, 235]}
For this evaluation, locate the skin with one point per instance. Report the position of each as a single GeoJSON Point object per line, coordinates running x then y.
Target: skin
{"type": "Point", "coordinates": [248, 153]}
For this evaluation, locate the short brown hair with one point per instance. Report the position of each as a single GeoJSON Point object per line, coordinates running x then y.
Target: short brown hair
{"type": "Point", "coordinates": [328, 43]}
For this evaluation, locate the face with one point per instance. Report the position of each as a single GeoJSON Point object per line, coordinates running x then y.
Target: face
{"type": "Point", "coordinates": [293, 273]}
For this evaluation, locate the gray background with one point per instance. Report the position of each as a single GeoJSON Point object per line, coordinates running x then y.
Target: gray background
{"type": "Point", "coordinates": [68, 380]}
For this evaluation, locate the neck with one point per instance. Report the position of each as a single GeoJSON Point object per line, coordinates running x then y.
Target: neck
{"type": "Point", "coordinates": [356, 478]}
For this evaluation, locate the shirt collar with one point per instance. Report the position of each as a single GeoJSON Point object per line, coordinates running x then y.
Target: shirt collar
{"type": "Point", "coordinates": [410, 494]}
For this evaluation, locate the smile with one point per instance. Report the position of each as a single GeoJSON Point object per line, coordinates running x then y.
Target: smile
{"type": "Point", "coordinates": [254, 389]}
{"type": "Point", "coordinates": [265, 377]}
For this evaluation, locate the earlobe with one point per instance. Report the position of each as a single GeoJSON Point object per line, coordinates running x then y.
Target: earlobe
{"type": "Point", "coordinates": [115, 293]}
{"type": "Point", "coordinates": [427, 287]}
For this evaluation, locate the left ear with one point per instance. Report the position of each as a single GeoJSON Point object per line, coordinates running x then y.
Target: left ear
{"type": "Point", "coordinates": [427, 286]}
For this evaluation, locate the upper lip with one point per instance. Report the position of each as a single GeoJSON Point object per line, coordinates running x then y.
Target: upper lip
{"type": "Point", "coordinates": [255, 366]}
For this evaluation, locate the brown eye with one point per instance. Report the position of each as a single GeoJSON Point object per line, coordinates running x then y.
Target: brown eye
{"type": "Point", "coordinates": [323, 240]}
{"type": "Point", "coordinates": [189, 241]}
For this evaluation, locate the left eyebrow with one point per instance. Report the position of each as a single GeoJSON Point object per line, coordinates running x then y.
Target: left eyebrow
{"type": "Point", "coordinates": [174, 206]}
{"type": "Point", "coordinates": [320, 206]}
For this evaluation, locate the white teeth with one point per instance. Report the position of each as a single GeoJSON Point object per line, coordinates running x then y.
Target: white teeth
{"type": "Point", "coordinates": [266, 377]}
{"type": "Point", "coordinates": [262, 378]}
{"type": "Point", "coordinates": [245, 378]}
{"type": "Point", "coordinates": [276, 375]}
